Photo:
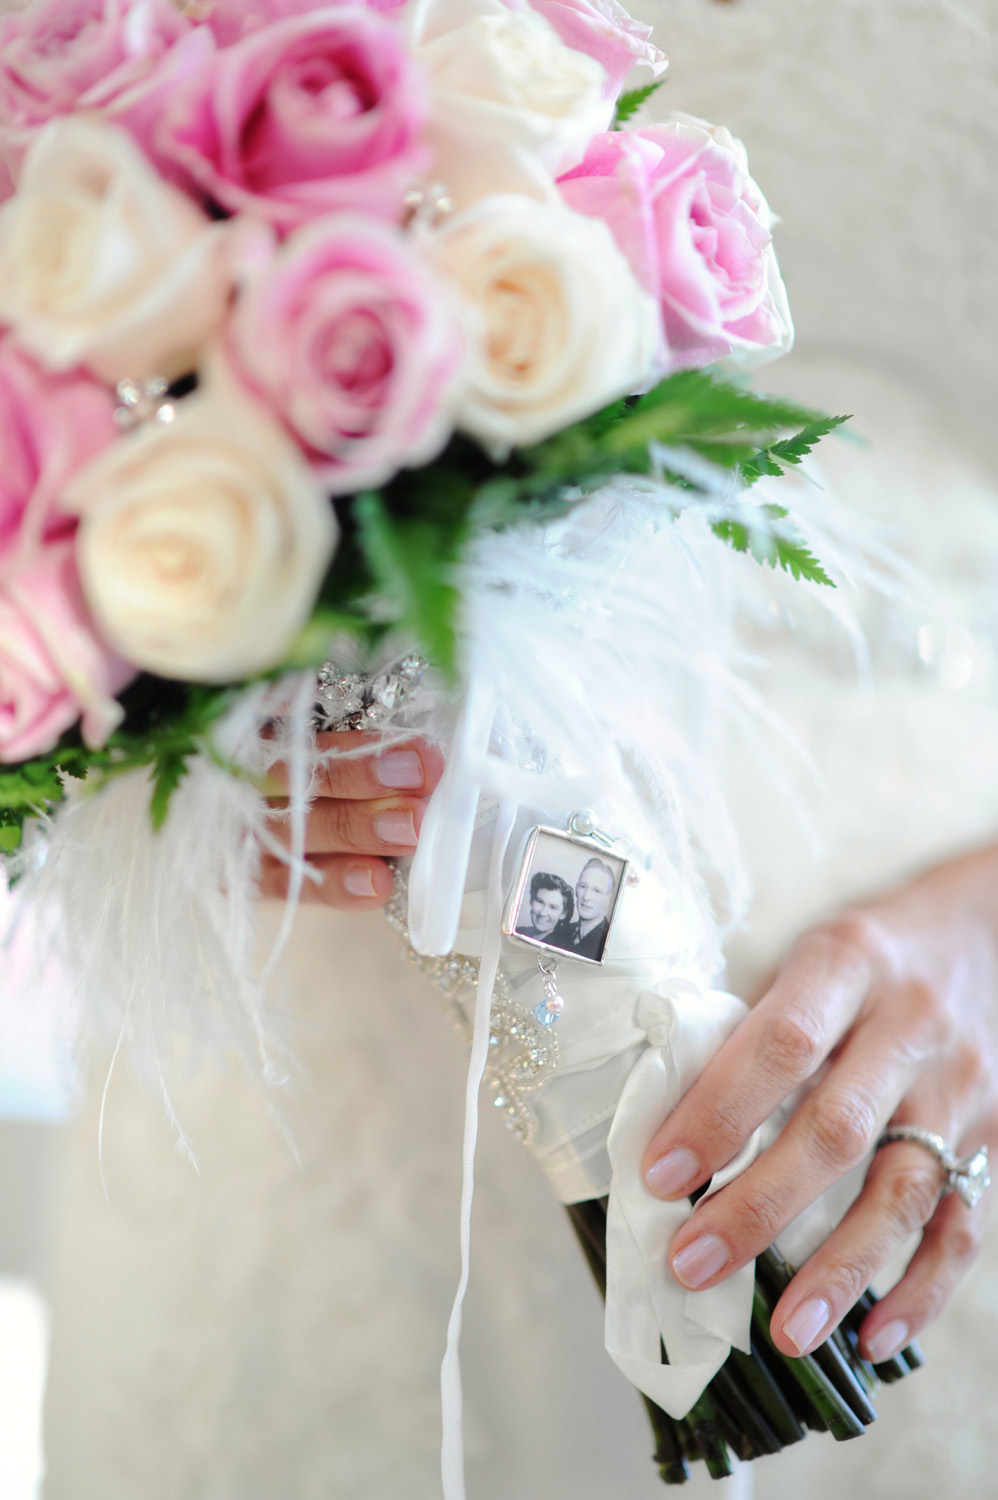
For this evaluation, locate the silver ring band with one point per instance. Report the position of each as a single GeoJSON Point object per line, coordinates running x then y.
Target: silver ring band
{"type": "Point", "coordinates": [967, 1176]}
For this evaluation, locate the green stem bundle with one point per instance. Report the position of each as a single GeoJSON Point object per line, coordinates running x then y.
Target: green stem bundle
{"type": "Point", "coordinates": [762, 1402]}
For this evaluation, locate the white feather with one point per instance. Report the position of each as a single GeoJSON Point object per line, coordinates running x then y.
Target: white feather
{"type": "Point", "coordinates": [612, 638]}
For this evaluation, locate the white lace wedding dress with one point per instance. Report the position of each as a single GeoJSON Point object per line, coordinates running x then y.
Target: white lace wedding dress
{"type": "Point", "coordinates": [271, 1330]}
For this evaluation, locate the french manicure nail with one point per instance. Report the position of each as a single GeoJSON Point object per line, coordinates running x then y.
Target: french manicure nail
{"type": "Point", "coordinates": [672, 1172]}
{"type": "Point", "coordinates": [886, 1342]}
{"type": "Point", "coordinates": [401, 770]}
{"type": "Point", "coordinates": [700, 1261]}
{"type": "Point", "coordinates": [357, 880]}
{"type": "Point", "coordinates": [806, 1322]}
{"type": "Point", "coordinates": [397, 828]}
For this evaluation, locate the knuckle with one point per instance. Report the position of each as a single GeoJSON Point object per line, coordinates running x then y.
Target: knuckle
{"type": "Point", "coordinates": [761, 1217]}
{"type": "Point", "coordinates": [972, 1072]}
{"type": "Point", "coordinates": [340, 824]}
{"type": "Point", "coordinates": [924, 1013]}
{"type": "Point", "coordinates": [911, 1195]}
{"type": "Point", "coordinates": [853, 936]}
{"type": "Point", "coordinates": [843, 1126]}
{"type": "Point", "coordinates": [791, 1044]}
{"type": "Point", "coordinates": [932, 1298]}
{"type": "Point", "coordinates": [327, 778]}
{"type": "Point", "coordinates": [963, 1242]}
{"type": "Point", "coordinates": [848, 1279]}
{"type": "Point", "coordinates": [723, 1125]}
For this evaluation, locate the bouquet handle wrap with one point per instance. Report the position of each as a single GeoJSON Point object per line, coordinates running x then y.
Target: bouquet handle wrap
{"type": "Point", "coordinates": [645, 1306]}
{"type": "Point", "coordinates": [635, 1035]}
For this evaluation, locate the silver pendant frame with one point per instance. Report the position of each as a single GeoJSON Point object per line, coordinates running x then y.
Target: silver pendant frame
{"type": "Point", "coordinates": [529, 865]}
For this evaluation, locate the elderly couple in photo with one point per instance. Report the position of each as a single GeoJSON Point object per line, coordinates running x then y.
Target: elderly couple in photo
{"type": "Point", "coordinates": [577, 920]}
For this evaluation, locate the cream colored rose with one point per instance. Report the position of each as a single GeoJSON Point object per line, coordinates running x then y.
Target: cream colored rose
{"type": "Point", "coordinates": [557, 324]}
{"type": "Point", "coordinates": [510, 105]}
{"type": "Point", "coordinates": [103, 263]}
{"type": "Point", "coordinates": [203, 544]}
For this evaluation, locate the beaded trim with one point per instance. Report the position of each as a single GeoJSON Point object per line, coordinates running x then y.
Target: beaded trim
{"type": "Point", "coordinates": [523, 1054]}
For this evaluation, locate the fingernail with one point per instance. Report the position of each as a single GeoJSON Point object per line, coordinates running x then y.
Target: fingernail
{"type": "Point", "coordinates": [886, 1342]}
{"type": "Point", "coordinates": [672, 1172]}
{"type": "Point", "coordinates": [700, 1261]}
{"type": "Point", "coordinates": [357, 880]}
{"type": "Point", "coordinates": [397, 828]}
{"type": "Point", "coordinates": [806, 1322]}
{"type": "Point", "coordinates": [401, 770]}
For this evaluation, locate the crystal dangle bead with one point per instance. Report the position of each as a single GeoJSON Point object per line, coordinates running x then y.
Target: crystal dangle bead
{"type": "Point", "coordinates": [551, 1007]}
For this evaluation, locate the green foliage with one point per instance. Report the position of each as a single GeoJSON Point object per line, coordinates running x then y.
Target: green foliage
{"type": "Point", "coordinates": [11, 830]}
{"type": "Point", "coordinates": [168, 770]}
{"type": "Point", "coordinates": [166, 723]}
{"type": "Point", "coordinates": [723, 423]}
{"type": "Point", "coordinates": [395, 565]}
{"type": "Point", "coordinates": [775, 457]}
{"type": "Point", "coordinates": [773, 544]}
{"type": "Point", "coordinates": [631, 101]}
{"type": "Point", "coordinates": [411, 560]}
{"type": "Point", "coordinates": [400, 544]}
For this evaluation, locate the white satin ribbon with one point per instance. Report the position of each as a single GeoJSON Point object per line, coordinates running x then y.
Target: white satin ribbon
{"type": "Point", "coordinates": [644, 1303]}
{"type": "Point", "coordinates": [440, 864]}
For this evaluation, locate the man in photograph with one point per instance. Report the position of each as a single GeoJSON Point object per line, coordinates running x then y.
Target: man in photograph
{"type": "Point", "coordinates": [551, 906]}
{"type": "Point", "coordinates": [586, 935]}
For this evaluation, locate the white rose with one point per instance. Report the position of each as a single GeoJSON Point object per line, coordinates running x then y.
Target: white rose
{"type": "Point", "coordinates": [558, 326]}
{"type": "Point", "coordinates": [510, 105]}
{"type": "Point", "coordinates": [102, 262]}
{"type": "Point", "coordinates": [203, 544]}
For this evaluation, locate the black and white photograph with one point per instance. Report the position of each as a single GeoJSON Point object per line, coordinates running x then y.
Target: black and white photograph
{"type": "Point", "coordinates": [566, 895]}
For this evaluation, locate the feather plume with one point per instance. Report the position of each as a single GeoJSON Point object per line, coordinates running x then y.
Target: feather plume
{"type": "Point", "coordinates": [613, 638]}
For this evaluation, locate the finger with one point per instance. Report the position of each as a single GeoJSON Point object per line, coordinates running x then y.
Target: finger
{"type": "Point", "coordinates": [899, 1199]}
{"type": "Point", "coordinates": [947, 1250]}
{"type": "Point", "coordinates": [786, 1038]}
{"type": "Point", "coordinates": [345, 882]}
{"type": "Point", "coordinates": [413, 766]}
{"type": "Point", "coordinates": [389, 826]}
{"type": "Point", "coordinates": [833, 1129]}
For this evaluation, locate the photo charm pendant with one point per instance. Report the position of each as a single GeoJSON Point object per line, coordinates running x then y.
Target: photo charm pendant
{"type": "Point", "coordinates": [565, 899]}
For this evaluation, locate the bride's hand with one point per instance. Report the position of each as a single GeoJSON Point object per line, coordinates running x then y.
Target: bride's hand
{"type": "Point", "coordinates": [367, 809]}
{"type": "Point", "coordinates": [898, 1002]}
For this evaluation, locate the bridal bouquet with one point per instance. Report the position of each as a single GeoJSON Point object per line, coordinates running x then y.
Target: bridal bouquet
{"type": "Point", "coordinates": [325, 328]}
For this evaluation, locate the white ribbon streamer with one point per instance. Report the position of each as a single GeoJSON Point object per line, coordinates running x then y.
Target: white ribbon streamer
{"type": "Point", "coordinates": [451, 1394]}
{"type": "Point", "coordinates": [440, 864]}
{"type": "Point", "coordinates": [644, 1303]}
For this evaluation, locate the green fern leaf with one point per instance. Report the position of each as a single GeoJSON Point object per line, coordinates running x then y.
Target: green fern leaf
{"type": "Point", "coordinates": [169, 770]}
{"type": "Point", "coordinates": [410, 560]}
{"type": "Point", "coordinates": [631, 101]}
{"type": "Point", "coordinates": [792, 450]}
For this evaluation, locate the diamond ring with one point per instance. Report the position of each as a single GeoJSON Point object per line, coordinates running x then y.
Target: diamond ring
{"type": "Point", "coordinates": [966, 1176]}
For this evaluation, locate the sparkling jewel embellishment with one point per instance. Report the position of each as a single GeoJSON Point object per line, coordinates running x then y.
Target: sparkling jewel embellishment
{"type": "Point", "coordinates": [354, 700]}
{"type": "Point", "coordinates": [553, 1004]}
{"type": "Point", "coordinates": [523, 1053]}
{"type": "Point", "coordinates": [148, 401]}
{"type": "Point", "coordinates": [970, 1178]}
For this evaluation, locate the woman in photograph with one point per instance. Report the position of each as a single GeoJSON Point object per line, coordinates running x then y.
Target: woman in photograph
{"type": "Point", "coordinates": [551, 908]}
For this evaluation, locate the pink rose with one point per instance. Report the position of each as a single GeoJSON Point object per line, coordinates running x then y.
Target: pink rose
{"type": "Point", "coordinates": [697, 231]}
{"type": "Point", "coordinates": [604, 30]}
{"type": "Point", "coordinates": [60, 56]}
{"type": "Point", "coordinates": [356, 345]}
{"type": "Point", "coordinates": [50, 426]}
{"type": "Point", "coordinates": [230, 20]}
{"type": "Point", "coordinates": [53, 668]}
{"type": "Point", "coordinates": [308, 115]}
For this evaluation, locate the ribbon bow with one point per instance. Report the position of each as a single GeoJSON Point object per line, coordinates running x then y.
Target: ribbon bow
{"type": "Point", "coordinates": [645, 1304]}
